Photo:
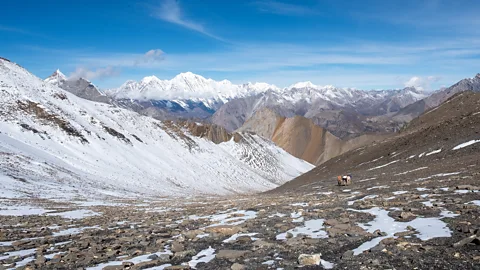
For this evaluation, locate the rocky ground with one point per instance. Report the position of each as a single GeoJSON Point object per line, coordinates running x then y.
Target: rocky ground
{"type": "Point", "coordinates": [368, 225]}
{"type": "Point", "coordinates": [414, 204]}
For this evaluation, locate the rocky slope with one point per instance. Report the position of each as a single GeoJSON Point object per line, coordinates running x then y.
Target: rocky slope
{"type": "Point", "coordinates": [63, 145]}
{"type": "Point", "coordinates": [302, 138]}
{"type": "Point", "coordinates": [77, 86]}
{"type": "Point", "coordinates": [346, 113]}
{"type": "Point", "coordinates": [415, 109]}
{"type": "Point", "coordinates": [440, 141]}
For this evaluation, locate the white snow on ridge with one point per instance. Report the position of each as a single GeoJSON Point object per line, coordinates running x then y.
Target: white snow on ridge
{"type": "Point", "coordinates": [384, 165]}
{"type": "Point", "coordinates": [465, 144]}
{"type": "Point", "coordinates": [187, 86]}
{"type": "Point", "coordinates": [433, 152]}
{"type": "Point", "coordinates": [123, 153]}
{"type": "Point", "coordinates": [414, 170]}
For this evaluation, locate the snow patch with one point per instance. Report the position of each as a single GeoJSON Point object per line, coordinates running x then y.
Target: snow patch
{"type": "Point", "coordinates": [312, 228]}
{"type": "Point", "coordinates": [204, 256]}
{"type": "Point", "coordinates": [384, 165]}
{"type": "Point", "coordinates": [427, 228]}
{"type": "Point", "coordinates": [465, 144]}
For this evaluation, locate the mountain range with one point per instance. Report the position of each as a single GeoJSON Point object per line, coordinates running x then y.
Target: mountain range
{"type": "Point", "coordinates": [66, 145]}
{"type": "Point", "coordinates": [311, 122]}
{"type": "Point", "coordinates": [191, 96]}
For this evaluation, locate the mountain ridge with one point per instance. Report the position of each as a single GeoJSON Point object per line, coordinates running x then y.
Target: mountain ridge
{"type": "Point", "coordinates": [96, 148]}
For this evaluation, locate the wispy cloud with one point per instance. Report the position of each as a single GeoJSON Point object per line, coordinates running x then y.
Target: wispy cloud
{"type": "Point", "coordinates": [406, 63]}
{"type": "Point", "coordinates": [4, 28]}
{"type": "Point", "coordinates": [99, 73]}
{"type": "Point", "coordinates": [170, 11]}
{"type": "Point", "coordinates": [280, 8]}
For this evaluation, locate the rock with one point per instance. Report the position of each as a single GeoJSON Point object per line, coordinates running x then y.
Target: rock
{"type": "Point", "coordinates": [127, 264]}
{"type": "Point", "coordinates": [464, 241]}
{"type": "Point", "coordinates": [164, 257]}
{"type": "Point", "coordinates": [388, 241]}
{"type": "Point", "coordinates": [262, 244]}
{"type": "Point", "coordinates": [153, 257]}
{"type": "Point", "coordinates": [402, 234]}
{"type": "Point", "coordinates": [177, 247]}
{"type": "Point", "coordinates": [344, 220]}
{"type": "Point", "coordinates": [377, 248]}
{"type": "Point", "coordinates": [347, 255]}
{"type": "Point", "coordinates": [40, 260]}
{"type": "Point", "coordinates": [178, 267]}
{"type": "Point", "coordinates": [244, 239]}
{"type": "Point", "coordinates": [147, 265]}
{"type": "Point", "coordinates": [182, 254]}
{"type": "Point", "coordinates": [309, 259]}
{"type": "Point", "coordinates": [288, 235]}
{"type": "Point", "coordinates": [227, 230]}
{"type": "Point", "coordinates": [332, 222]}
{"type": "Point", "coordinates": [467, 187]}
{"type": "Point", "coordinates": [406, 215]}
{"type": "Point", "coordinates": [237, 266]}
{"type": "Point", "coordinates": [113, 267]}
{"type": "Point", "coordinates": [231, 254]}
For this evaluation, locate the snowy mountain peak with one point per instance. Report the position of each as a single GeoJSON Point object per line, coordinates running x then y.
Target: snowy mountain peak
{"type": "Point", "coordinates": [307, 84]}
{"type": "Point", "coordinates": [56, 77]}
{"type": "Point", "coordinates": [149, 79]}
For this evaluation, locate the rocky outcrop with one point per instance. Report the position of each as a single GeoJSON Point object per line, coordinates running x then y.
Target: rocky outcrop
{"type": "Point", "coordinates": [301, 137]}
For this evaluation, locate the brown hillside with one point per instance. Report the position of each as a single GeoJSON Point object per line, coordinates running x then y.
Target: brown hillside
{"type": "Point", "coordinates": [300, 137]}
{"type": "Point", "coordinates": [411, 154]}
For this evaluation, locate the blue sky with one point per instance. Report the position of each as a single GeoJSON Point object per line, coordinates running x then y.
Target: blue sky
{"type": "Point", "coordinates": [364, 44]}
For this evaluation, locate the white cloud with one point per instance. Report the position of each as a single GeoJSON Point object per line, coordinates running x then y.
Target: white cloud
{"type": "Point", "coordinates": [280, 8]}
{"type": "Point", "coordinates": [421, 83]}
{"type": "Point", "coordinates": [171, 12]}
{"type": "Point", "coordinates": [100, 73]}
{"type": "Point", "coordinates": [150, 57]}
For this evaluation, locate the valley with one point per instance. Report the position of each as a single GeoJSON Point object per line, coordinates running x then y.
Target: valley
{"type": "Point", "coordinates": [93, 184]}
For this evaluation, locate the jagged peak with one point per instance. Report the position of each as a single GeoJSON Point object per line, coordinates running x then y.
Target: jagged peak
{"type": "Point", "coordinates": [58, 74]}
{"type": "Point", "coordinates": [306, 84]}
{"type": "Point", "coordinates": [189, 76]}
{"type": "Point", "coordinates": [150, 79]}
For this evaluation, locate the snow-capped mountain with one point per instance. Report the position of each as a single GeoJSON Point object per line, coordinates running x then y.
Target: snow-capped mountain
{"type": "Point", "coordinates": [56, 78]}
{"type": "Point", "coordinates": [188, 95]}
{"type": "Point", "coordinates": [187, 86]}
{"type": "Point", "coordinates": [77, 86]}
{"type": "Point", "coordinates": [61, 145]}
{"type": "Point", "coordinates": [343, 111]}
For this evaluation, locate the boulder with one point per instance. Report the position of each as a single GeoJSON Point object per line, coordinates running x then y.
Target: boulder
{"type": "Point", "coordinates": [309, 259]}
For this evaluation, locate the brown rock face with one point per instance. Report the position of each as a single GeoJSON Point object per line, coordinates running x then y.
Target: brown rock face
{"type": "Point", "coordinates": [300, 137]}
{"type": "Point", "coordinates": [214, 133]}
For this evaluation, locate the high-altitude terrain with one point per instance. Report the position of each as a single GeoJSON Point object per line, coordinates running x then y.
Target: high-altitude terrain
{"type": "Point", "coordinates": [89, 185]}
{"type": "Point", "coordinates": [66, 146]}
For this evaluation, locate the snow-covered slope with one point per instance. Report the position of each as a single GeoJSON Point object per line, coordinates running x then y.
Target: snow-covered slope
{"type": "Point", "coordinates": [53, 143]}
